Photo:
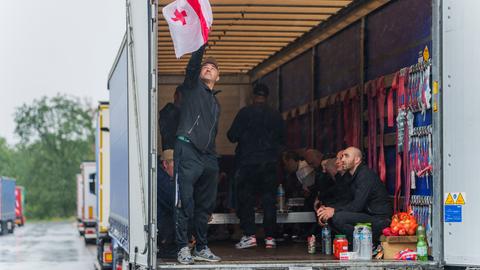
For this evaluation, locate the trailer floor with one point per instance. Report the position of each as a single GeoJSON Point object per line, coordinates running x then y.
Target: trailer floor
{"type": "Point", "coordinates": [285, 256]}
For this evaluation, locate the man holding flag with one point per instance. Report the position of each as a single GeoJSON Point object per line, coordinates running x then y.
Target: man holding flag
{"type": "Point", "coordinates": [196, 165]}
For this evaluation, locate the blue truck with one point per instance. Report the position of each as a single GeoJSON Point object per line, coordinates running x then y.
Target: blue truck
{"type": "Point", "coordinates": [7, 205]}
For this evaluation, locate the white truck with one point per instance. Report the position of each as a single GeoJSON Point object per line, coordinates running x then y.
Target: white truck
{"type": "Point", "coordinates": [102, 153]}
{"type": "Point", "coordinates": [145, 70]}
{"type": "Point", "coordinates": [89, 212]}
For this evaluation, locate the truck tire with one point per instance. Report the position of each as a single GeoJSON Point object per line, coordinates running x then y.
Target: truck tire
{"type": "Point", "coordinates": [2, 228]}
{"type": "Point", "coordinates": [10, 226]}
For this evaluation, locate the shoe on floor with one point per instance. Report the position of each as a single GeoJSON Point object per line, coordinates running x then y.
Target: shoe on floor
{"type": "Point", "coordinates": [205, 255]}
{"type": "Point", "coordinates": [184, 256]}
{"type": "Point", "coordinates": [270, 242]}
{"type": "Point", "coordinates": [246, 242]}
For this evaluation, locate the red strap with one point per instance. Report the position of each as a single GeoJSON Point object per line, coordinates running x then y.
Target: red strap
{"type": "Point", "coordinates": [381, 123]}
{"type": "Point", "coordinates": [372, 125]}
{"type": "Point", "coordinates": [356, 125]}
{"type": "Point", "coordinates": [347, 119]}
{"type": "Point", "coordinates": [339, 134]}
{"type": "Point", "coordinates": [390, 107]}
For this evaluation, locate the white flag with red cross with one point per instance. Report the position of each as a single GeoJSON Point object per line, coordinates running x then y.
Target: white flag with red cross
{"type": "Point", "coordinates": [189, 22]}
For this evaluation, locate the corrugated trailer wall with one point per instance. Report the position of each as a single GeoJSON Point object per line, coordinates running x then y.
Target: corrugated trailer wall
{"type": "Point", "coordinates": [236, 92]}
{"type": "Point", "coordinates": [312, 87]}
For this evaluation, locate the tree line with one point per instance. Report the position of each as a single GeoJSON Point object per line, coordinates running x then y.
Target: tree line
{"type": "Point", "coordinates": [55, 135]}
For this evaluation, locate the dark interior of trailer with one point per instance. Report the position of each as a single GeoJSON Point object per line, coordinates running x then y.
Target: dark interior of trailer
{"type": "Point", "coordinates": [323, 62]}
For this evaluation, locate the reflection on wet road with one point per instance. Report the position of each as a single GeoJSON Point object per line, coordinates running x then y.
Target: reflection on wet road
{"type": "Point", "coordinates": [46, 246]}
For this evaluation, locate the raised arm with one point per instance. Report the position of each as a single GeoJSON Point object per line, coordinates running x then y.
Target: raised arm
{"type": "Point", "coordinates": [193, 68]}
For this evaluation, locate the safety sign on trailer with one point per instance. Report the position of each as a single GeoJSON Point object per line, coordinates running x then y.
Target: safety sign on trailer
{"type": "Point", "coordinates": [453, 206]}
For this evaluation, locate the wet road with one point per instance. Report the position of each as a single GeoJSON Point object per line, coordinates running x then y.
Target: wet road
{"type": "Point", "coordinates": [46, 246]}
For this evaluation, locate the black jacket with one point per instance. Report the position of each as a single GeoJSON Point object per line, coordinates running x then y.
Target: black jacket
{"type": "Point", "coordinates": [260, 133]}
{"type": "Point", "coordinates": [199, 108]}
{"type": "Point", "coordinates": [369, 194]}
{"type": "Point", "coordinates": [168, 122]}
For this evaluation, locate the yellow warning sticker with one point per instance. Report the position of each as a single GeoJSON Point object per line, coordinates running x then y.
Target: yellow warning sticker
{"type": "Point", "coordinates": [426, 54]}
{"type": "Point", "coordinates": [449, 199]}
{"type": "Point", "coordinates": [460, 199]}
{"type": "Point", "coordinates": [455, 198]}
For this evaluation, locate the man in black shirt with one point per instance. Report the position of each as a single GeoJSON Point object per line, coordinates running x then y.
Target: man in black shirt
{"type": "Point", "coordinates": [370, 202]}
{"type": "Point", "coordinates": [196, 165]}
{"type": "Point", "coordinates": [259, 132]}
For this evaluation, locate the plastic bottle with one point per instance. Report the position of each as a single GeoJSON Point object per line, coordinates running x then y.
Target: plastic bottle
{"type": "Point", "coordinates": [281, 198]}
{"type": "Point", "coordinates": [422, 249]}
{"type": "Point", "coordinates": [365, 252]}
{"type": "Point", "coordinates": [311, 244]}
{"type": "Point", "coordinates": [356, 237]}
{"type": "Point", "coordinates": [326, 240]}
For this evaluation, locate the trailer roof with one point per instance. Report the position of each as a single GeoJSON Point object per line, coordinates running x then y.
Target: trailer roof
{"type": "Point", "coordinates": [245, 33]}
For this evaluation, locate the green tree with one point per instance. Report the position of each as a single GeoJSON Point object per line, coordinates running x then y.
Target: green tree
{"type": "Point", "coordinates": [6, 159]}
{"type": "Point", "coordinates": [56, 134]}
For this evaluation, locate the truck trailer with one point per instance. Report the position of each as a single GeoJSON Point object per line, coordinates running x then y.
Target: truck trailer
{"type": "Point", "coordinates": [102, 149]}
{"type": "Point", "coordinates": [89, 212]}
{"type": "Point", "coordinates": [324, 62]}
{"type": "Point", "coordinates": [7, 205]}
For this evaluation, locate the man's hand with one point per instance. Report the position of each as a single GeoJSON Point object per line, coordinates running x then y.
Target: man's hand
{"type": "Point", "coordinates": [325, 213]}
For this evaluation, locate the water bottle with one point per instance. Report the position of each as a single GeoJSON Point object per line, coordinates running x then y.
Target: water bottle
{"type": "Point", "coordinates": [356, 238]}
{"type": "Point", "coordinates": [366, 243]}
{"type": "Point", "coordinates": [326, 240]}
{"type": "Point", "coordinates": [281, 198]}
{"type": "Point", "coordinates": [422, 249]}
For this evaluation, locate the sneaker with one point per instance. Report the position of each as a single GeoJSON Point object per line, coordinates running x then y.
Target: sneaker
{"type": "Point", "coordinates": [270, 242]}
{"type": "Point", "coordinates": [184, 256]}
{"type": "Point", "coordinates": [205, 255]}
{"type": "Point", "coordinates": [246, 242]}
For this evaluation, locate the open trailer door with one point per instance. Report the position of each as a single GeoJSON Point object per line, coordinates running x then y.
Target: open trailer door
{"type": "Point", "coordinates": [461, 126]}
{"type": "Point", "coordinates": [141, 142]}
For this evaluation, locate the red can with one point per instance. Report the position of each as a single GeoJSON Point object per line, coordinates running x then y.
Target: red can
{"type": "Point", "coordinates": [340, 244]}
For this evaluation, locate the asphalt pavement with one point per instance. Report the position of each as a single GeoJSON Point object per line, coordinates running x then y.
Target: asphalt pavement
{"type": "Point", "coordinates": [46, 246]}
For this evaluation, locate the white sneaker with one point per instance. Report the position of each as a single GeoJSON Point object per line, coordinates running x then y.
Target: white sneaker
{"type": "Point", "coordinates": [247, 242]}
{"type": "Point", "coordinates": [270, 242]}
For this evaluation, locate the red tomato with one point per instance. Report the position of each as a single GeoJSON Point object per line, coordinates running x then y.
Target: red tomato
{"type": "Point", "coordinates": [402, 232]}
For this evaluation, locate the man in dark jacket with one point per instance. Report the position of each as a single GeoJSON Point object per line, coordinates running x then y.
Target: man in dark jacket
{"type": "Point", "coordinates": [370, 202]}
{"type": "Point", "coordinates": [196, 165]}
{"type": "Point", "coordinates": [259, 132]}
{"type": "Point", "coordinates": [169, 117]}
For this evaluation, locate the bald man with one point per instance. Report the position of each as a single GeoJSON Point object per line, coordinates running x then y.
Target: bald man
{"type": "Point", "coordinates": [370, 203]}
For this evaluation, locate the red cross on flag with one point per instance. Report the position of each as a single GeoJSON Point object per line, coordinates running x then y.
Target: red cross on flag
{"type": "Point", "coordinates": [189, 22]}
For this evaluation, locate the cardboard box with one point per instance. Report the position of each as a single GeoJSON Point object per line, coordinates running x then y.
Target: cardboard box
{"type": "Point", "coordinates": [393, 244]}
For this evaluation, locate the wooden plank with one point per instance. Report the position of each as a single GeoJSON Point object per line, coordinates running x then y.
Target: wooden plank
{"type": "Point", "coordinates": [273, 9]}
{"type": "Point", "coordinates": [233, 43]}
{"type": "Point", "coordinates": [164, 33]}
{"type": "Point", "coordinates": [251, 28]}
{"type": "Point", "coordinates": [328, 3]}
{"type": "Point", "coordinates": [301, 23]}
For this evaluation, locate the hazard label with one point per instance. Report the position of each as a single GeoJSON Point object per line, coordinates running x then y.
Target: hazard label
{"type": "Point", "coordinates": [455, 198]}
{"type": "Point", "coordinates": [449, 199]}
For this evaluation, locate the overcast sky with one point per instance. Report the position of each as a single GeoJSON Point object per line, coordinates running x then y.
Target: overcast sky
{"type": "Point", "coordinates": [55, 46]}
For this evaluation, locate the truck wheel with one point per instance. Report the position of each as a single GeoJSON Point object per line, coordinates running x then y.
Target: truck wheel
{"type": "Point", "coordinates": [2, 228]}
{"type": "Point", "coordinates": [10, 226]}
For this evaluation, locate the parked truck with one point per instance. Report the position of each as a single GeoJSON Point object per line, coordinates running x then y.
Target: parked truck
{"type": "Point", "coordinates": [102, 149]}
{"type": "Point", "coordinates": [312, 55]}
{"type": "Point", "coordinates": [20, 205]}
{"type": "Point", "coordinates": [89, 213]}
{"type": "Point", "coordinates": [7, 205]}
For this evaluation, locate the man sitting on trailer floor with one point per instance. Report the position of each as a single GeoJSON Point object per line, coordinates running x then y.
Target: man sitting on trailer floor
{"type": "Point", "coordinates": [370, 202]}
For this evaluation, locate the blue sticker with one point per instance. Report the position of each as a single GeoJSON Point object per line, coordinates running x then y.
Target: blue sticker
{"type": "Point", "coordinates": [453, 213]}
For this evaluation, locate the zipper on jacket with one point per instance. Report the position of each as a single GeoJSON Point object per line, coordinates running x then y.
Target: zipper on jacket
{"type": "Point", "coordinates": [194, 124]}
{"type": "Point", "coordinates": [214, 122]}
